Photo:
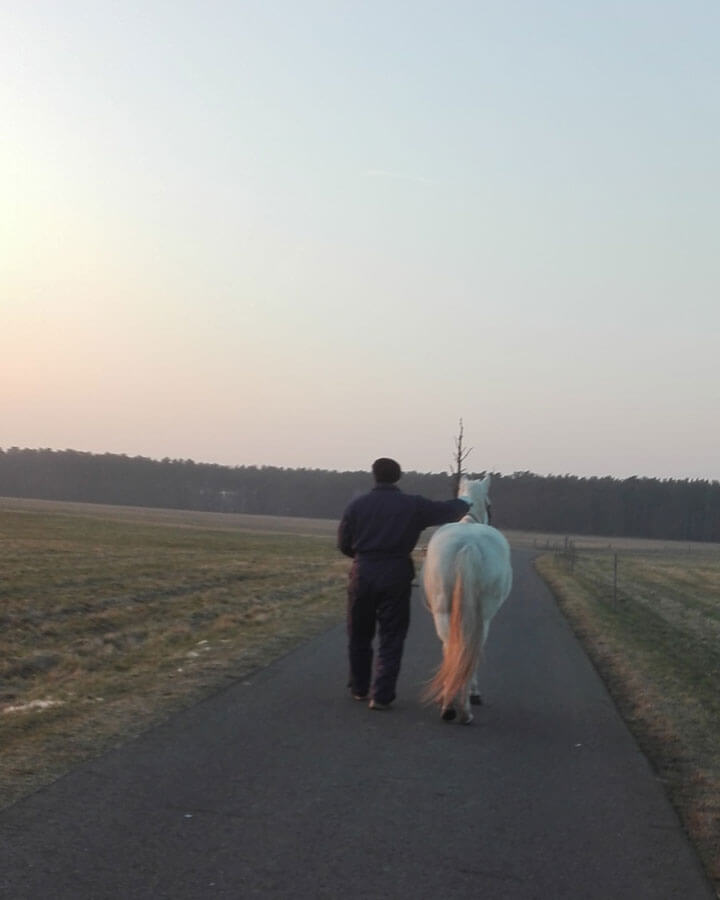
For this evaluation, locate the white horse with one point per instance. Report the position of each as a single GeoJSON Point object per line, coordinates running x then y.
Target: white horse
{"type": "Point", "coordinates": [466, 578]}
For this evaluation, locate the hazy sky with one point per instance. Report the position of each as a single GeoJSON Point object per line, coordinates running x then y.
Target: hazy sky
{"type": "Point", "coordinates": [313, 232]}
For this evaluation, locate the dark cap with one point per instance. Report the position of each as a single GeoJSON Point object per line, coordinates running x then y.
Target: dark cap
{"type": "Point", "coordinates": [386, 471]}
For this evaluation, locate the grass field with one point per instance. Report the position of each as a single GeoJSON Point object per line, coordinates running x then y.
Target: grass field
{"type": "Point", "coordinates": [112, 619]}
{"type": "Point", "coordinates": [653, 632]}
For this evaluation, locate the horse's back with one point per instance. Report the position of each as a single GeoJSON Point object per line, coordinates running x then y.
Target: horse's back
{"type": "Point", "coordinates": [448, 540]}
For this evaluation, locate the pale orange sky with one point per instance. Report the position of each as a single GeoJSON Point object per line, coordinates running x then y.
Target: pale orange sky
{"type": "Point", "coordinates": [312, 234]}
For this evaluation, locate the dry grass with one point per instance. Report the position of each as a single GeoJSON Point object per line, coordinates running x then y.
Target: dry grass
{"type": "Point", "coordinates": [108, 625]}
{"type": "Point", "coordinates": [658, 649]}
{"type": "Point", "coordinates": [147, 515]}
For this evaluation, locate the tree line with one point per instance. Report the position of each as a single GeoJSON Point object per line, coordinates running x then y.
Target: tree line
{"type": "Point", "coordinates": [670, 509]}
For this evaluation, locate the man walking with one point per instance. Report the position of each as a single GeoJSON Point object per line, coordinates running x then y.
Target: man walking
{"type": "Point", "coordinates": [379, 531]}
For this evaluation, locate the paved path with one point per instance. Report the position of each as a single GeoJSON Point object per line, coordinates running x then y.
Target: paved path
{"type": "Point", "coordinates": [285, 788]}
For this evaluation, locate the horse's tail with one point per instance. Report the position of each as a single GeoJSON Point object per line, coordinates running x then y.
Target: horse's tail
{"type": "Point", "coordinates": [464, 643]}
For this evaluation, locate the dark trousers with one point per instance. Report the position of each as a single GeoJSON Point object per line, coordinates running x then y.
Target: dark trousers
{"type": "Point", "coordinates": [383, 603]}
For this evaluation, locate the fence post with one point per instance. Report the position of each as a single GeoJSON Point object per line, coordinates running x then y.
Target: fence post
{"type": "Point", "coordinates": [615, 570]}
{"type": "Point", "coordinates": [572, 557]}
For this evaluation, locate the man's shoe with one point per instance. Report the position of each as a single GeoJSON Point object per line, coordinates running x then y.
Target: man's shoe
{"type": "Point", "coordinates": [360, 696]}
{"type": "Point", "coordinates": [375, 704]}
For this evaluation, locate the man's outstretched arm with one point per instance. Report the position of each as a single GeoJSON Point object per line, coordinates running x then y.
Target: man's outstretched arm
{"type": "Point", "coordinates": [440, 512]}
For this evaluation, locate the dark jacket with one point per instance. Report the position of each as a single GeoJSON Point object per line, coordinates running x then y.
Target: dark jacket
{"type": "Point", "coordinates": [380, 529]}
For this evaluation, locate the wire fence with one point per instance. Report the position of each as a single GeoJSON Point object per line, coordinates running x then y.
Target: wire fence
{"type": "Point", "coordinates": [613, 565]}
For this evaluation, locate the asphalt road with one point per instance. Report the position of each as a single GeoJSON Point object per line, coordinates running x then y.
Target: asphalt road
{"type": "Point", "coordinates": [285, 788]}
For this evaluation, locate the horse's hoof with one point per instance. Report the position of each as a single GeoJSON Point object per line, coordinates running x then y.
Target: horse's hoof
{"type": "Point", "coordinates": [448, 714]}
{"type": "Point", "coordinates": [466, 718]}
{"type": "Point", "coordinates": [476, 699]}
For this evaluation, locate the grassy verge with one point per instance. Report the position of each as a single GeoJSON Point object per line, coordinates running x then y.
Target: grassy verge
{"type": "Point", "coordinates": [656, 642]}
{"type": "Point", "coordinates": [106, 626]}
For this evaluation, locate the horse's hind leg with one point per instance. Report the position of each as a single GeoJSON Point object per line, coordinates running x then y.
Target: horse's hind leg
{"type": "Point", "coordinates": [466, 716]}
{"type": "Point", "coordinates": [475, 696]}
{"type": "Point", "coordinates": [442, 626]}
{"type": "Point", "coordinates": [447, 705]}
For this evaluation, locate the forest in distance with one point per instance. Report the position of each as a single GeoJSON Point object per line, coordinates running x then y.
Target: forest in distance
{"type": "Point", "coordinates": [669, 509]}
